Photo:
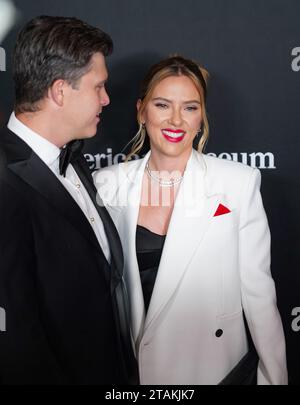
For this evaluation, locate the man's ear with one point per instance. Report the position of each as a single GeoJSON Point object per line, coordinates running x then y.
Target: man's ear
{"type": "Point", "coordinates": [56, 92]}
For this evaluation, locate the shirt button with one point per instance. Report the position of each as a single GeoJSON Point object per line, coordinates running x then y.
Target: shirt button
{"type": "Point", "coordinates": [78, 185]}
{"type": "Point", "coordinates": [92, 219]}
{"type": "Point", "coordinates": [219, 333]}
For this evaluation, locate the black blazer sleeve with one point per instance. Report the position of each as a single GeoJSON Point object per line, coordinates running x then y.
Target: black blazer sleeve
{"type": "Point", "coordinates": [25, 355]}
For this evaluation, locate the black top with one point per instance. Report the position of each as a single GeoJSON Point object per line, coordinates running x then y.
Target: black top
{"type": "Point", "coordinates": [149, 246]}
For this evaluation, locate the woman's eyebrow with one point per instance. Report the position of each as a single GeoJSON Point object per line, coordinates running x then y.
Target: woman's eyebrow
{"type": "Point", "coordinates": [170, 101]}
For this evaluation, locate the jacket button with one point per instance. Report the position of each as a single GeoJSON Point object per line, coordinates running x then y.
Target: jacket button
{"type": "Point", "coordinates": [219, 333]}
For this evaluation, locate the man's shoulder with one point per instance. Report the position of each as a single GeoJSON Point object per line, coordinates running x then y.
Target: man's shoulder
{"type": "Point", "coordinates": [12, 148]}
{"type": "Point", "coordinates": [5, 135]}
{"type": "Point", "coordinates": [13, 192]}
{"type": "Point", "coordinates": [12, 151]}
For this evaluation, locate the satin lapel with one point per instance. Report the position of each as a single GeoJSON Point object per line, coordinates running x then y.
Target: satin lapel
{"type": "Point", "coordinates": [110, 229]}
{"type": "Point", "coordinates": [35, 173]}
{"type": "Point", "coordinates": [192, 214]}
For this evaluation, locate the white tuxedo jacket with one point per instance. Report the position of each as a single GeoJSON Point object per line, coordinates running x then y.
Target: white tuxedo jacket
{"type": "Point", "coordinates": [211, 268]}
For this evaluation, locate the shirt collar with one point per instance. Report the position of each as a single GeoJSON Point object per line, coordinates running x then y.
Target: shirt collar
{"type": "Point", "coordinates": [46, 151]}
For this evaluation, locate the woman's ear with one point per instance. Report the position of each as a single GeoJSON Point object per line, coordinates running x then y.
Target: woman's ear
{"type": "Point", "coordinates": [138, 104]}
{"type": "Point", "coordinates": [138, 107]}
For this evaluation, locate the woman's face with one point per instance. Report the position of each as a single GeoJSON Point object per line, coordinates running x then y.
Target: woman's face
{"type": "Point", "coordinates": [173, 117]}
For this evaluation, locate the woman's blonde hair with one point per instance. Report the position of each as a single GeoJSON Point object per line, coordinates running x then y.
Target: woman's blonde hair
{"type": "Point", "coordinates": [172, 66]}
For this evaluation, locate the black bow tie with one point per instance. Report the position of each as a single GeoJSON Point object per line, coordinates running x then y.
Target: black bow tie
{"type": "Point", "coordinates": [70, 153]}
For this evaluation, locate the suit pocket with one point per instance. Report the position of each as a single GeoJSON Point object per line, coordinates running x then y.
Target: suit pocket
{"type": "Point", "coordinates": [228, 218]}
{"type": "Point", "coordinates": [223, 224]}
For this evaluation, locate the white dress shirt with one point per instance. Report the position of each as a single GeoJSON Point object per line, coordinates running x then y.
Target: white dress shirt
{"type": "Point", "coordinates": [49, 154]}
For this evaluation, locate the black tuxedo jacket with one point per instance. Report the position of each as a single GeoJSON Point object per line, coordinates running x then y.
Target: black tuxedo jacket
{"type": "Point", "coordinates": [55, 283]}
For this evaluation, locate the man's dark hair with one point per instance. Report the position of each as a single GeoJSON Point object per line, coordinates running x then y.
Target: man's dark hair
{"type": "Point", "coordinates": [51, 48]}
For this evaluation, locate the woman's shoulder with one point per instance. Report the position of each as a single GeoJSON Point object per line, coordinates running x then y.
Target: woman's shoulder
{"type": "Point", "coordinates": [233, 179]}
{"type": "Point", "coordinates": [229, 175]}
{"type": "Point", "coordinates": [227, 167]}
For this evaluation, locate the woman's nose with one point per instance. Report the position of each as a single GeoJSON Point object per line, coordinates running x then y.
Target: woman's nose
{"type": "Point", "coordinates": [176, 118]}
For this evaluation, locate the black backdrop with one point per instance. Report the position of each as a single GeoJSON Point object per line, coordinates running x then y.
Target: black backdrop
{"type": "Point", "coordinates": [252, 50]}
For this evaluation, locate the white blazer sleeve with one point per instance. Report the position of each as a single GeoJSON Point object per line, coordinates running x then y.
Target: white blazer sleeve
{"type": "Point", "coordinates": [258, 289]}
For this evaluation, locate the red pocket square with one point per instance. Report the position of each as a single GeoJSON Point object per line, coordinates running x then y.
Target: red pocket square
{"type": "Point", "coordinates": [221, 210]}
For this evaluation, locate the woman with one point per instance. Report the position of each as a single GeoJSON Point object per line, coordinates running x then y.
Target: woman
{"type": "Point", "coordinates": [196, 243]}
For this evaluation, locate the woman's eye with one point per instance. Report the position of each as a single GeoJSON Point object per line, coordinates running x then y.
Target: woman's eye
{"type": "Point", "coordinates": [191, 108]}
{"type": "Point", "coordinates": [161, 105]}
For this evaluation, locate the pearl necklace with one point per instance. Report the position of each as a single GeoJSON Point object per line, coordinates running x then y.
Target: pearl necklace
{"type": "Point", "coordinates": [162, 183]}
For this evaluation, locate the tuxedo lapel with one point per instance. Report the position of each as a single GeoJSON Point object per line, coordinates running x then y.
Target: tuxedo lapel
{"type": "Point", "coordinates": [119, 294]}
{"type": "Point", "coordinates": [35, 173]}
{"type": "Point", "coordinates": [194, 208]}
{"type": "Point", "coordinates": [110, 229]}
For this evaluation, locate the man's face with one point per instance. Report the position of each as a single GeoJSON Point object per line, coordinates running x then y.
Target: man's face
{"type": "Point", "coordinates": [83, 104]}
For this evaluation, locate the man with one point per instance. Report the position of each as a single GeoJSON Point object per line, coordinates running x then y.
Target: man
{"type": "Point", "coordinates": [61, 283]}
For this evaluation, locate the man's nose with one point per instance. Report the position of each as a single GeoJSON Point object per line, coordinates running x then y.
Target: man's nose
{"type": "Point", "coordinates": [105, 100]}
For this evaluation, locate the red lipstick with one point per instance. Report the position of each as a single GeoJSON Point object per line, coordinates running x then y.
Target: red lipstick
{"type": "Point", "coordinates": [173, 135]}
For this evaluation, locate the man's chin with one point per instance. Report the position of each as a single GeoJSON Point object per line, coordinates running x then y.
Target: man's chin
{"type": "Point", "coordinates": [89, 135]}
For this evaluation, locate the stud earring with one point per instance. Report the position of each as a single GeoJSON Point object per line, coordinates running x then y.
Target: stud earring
{"type": "Point", "coordinates": [199, 132]}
